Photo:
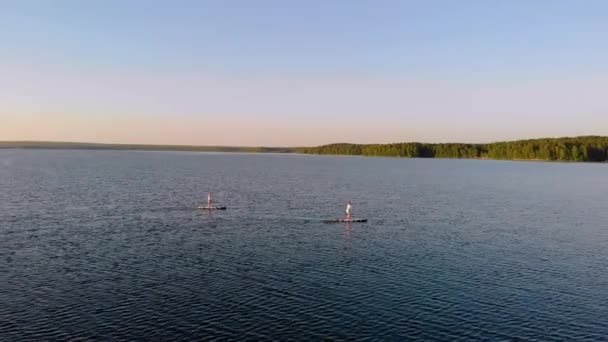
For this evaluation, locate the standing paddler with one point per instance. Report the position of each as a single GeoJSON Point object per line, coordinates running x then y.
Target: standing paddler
{"type": "Point", "coordinates": [348, 209]}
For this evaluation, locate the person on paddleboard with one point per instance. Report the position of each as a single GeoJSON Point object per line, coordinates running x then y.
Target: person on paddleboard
{"type": "Point", "coordinates": [209, 200]}
{"type": "Point", "coordinates": [348, 209]}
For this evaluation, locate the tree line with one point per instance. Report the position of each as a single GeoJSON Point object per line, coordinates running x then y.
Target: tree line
{"type": "Point", "coordinates": [586, 148]}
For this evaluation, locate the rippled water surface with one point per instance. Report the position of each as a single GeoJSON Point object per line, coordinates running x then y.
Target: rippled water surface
{"type": "Point", "coordinates": [100, 245]}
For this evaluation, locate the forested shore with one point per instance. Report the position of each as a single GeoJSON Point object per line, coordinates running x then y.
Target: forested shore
{"type": "Point", "coordinates": [586, 148]}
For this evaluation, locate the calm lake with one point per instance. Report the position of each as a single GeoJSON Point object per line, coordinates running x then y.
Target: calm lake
{"type": "Point", "coordinates": [101, 245]}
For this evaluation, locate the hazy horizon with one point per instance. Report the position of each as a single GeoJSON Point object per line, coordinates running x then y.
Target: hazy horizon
{"type": "Point", "coordinates": [305, 74]}
{"type": "Point", "coordinates": [289, 146]}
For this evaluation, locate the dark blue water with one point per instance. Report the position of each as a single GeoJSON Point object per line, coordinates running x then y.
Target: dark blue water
{"type": "Point", "coordinates": [101, 245]}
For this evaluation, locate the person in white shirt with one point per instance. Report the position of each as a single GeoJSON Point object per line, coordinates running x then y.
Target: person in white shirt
{"type": "Point", "coordinates": [209, 200]}
{"type": "Point", "coordinates": [348, 209]}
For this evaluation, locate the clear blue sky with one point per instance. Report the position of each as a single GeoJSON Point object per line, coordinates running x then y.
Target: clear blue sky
{"type": "Point", "coordinates": [302, 72]}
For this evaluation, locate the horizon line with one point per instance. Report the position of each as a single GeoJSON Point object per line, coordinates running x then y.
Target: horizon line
{"type": "Point", "coordinates": [275, 147]}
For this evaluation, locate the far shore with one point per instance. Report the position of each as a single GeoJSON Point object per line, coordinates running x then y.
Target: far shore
{"type": "Point", "coordinates": [139, 147]}
{"type": "Point", "coordinates": [566, 149]}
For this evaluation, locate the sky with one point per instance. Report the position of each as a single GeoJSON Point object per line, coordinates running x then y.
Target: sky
{"type": "Point", "coordinates": [301, 73]}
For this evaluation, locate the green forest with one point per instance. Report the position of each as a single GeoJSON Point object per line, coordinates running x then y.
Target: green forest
{"type": "Point", "coordinates": [587, 148]}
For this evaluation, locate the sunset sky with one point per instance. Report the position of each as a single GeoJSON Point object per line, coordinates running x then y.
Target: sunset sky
{"type": "Point", "coordinates": [285, 73]}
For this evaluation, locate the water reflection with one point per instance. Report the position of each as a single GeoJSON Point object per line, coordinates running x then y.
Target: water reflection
{"type": "Point", "coordinates": [347, 228]}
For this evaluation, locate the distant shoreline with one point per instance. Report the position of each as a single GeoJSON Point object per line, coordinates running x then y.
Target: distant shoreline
{"type": "Point", "coordinates": [571, 149]}
{"type": "Point", "coordinates": [138, 147]}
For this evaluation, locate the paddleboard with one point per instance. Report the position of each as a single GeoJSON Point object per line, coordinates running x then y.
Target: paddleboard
{"type": "Point", "coordinates": [345, 220]}
{"type": "Point", "coordinates": [212, 208]}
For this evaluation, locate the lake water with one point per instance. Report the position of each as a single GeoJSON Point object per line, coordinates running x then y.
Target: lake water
{"type": "Point", "coordinates": [100, 245]}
